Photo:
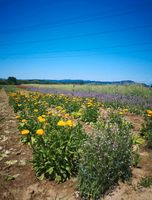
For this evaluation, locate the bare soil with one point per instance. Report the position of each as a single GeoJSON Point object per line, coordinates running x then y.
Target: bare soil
{"type": "Point", "coordinates": [18, 180]}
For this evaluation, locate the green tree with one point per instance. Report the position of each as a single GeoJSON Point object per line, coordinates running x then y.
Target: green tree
{"type": "Point", "coordinates": [12, 80]}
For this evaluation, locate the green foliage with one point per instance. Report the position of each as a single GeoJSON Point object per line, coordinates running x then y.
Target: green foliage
{"type": "Point", "coordinates": [56, 155]}
{"type": "Point", "coordinates": [10, 88]}
{"type": "Point", "coordinates": [90, 111]}
{"type": "Point", "coordinates": [107, 157]}
{"type": "Point", "coordinates": [145, 182]}
{"type": "Point", "coordinates": [134, 89]}
{"type": "Point", "coordinates": [146, 130]}
{"type": "Point", "coordinates": [53, 135]}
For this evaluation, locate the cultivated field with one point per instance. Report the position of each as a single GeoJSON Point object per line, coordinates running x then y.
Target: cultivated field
{"type": "Point", "coordinates": [76, 142]}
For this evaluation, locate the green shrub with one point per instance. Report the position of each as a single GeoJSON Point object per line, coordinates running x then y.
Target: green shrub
{"type": "Point", "coordinates": [145, 181]}
{"type": "Point", "coordinates": [107, 157]}
{"type": "Point", "coordinates": [56, 154]}
{"type": "Point", "coordinates": [146, 130]}
{"type": "Point", "coordinates": [90, 112]}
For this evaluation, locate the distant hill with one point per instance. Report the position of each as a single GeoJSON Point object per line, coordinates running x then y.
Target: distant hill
{"type": "Point", "coordinates": [69, 81]}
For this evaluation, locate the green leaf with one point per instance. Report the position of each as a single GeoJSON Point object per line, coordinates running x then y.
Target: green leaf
{"type": "Point", "coordinates": [9, 177]}
{"type": "Point", "coordinates": [138, 140]}
{"type": "Point", "coordinates": [58, 178]}
{"type": "Point", "coordinates": [50, 170]}
{"type": "Point", "coordinates": [41, 177]}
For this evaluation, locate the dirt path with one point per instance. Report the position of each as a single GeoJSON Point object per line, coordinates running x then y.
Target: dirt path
{"type": "Point", "coordinates": [18, 180]}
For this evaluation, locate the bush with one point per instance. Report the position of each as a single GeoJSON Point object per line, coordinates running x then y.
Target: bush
{"type": "Point", "coordinates": [90, 112]}
{"type": "Point", "coordinates": [146, 130]}
{"type": "Point", "coordinates": [107, 157]}
{"type": "Point", "coordinates": [56, 154]}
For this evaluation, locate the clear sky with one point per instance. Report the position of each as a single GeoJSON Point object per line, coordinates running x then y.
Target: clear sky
{"type": "Point", "coordinates": [104, 40]}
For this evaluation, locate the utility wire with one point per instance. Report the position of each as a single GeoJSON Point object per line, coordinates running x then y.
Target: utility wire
{"type": "Point", "coordinates": [74, 20]}
{"type": "Point", "coordinates": [85, 49]}
{"type": "Point", "coordinates": [83, 55]}
{"type": "Point", "coordinates": [77, 36]}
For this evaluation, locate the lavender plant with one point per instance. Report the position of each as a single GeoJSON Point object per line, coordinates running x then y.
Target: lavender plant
{"type": "Point", "coordinates": [107, 157]}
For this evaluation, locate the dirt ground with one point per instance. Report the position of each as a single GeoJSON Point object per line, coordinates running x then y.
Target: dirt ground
{"type": "Point", "coordinates": [18, 180]}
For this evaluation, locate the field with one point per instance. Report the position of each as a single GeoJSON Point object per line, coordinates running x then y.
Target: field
{"type": "Point", "coordinates": [76, 142]}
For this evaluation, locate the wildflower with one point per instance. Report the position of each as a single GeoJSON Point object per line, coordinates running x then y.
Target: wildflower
{"type": "Point", "coordinates": [40, 132]}
{"type": "Point", "coordinates": [17, 117]}
{"type": "Point", "coordinates": [19, 105]}
{"type": "Point", "coordinates": [24, 120]}
{"type": "Point", "coordinates": [69, 123]}
{"type": "Point", "coordinates": [41, 119]}
{"type": "Point", "coordinates": [36, 110]}
{"type": "Point", "coordinates": [120, 113]}
{"type": "Point", "coordinates": [61, 123]}
{"type": "Point", "coordinates": [149, 113]}
{"type": "Point", "coordinates": [25, 132]}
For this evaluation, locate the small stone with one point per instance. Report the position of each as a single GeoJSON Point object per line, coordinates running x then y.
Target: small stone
{"type": "Point", "coordinates": [11, 162]}
{"type": "Point", "coordinates": [22, 162]}
{"type": "Point", "coordinates": [7, 152]}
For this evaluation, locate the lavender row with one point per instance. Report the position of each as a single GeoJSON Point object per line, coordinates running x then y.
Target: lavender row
{"type": "Point", "coordinates": [105, 98]}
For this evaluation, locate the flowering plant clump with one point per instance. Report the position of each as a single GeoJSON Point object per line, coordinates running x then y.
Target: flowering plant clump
{"type": "Point", "coordinates": [146, 130]}
{"type": "Point", "coordinates": [45, 123]}
{"type": "Point", "coordinates": [57, 153]}
{"type": "Point", "coordinates": [90, 111]}
{"type": "Point", "coordinates": [107, 157]}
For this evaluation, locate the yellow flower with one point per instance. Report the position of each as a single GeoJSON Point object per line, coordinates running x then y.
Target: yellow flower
{"type": "Point", "coordinates": [120, 113]}
{"type": "Point", "coordinates": [24, 120]}
{"type": "Point", "coordinates": [40, 132]}
{"type": "Point", "coordinates": [61, 123]}
{"type": "Point", "coordinates": [19, 105]}
{"type": "Point", "coordinates": [25, 132]}
{"type": "Point", "coordinates": [43, 115]}
{"type": "Point", "coordinates": [69, 123]}
{"type": "Point", "coordinates": [36, 110]}
{"type": "Point", "coordinates": [41, 119]}
{"type": "Point", "coordinates": [149, 112]}
{"type": "Point", "coordinates": [17, 117]}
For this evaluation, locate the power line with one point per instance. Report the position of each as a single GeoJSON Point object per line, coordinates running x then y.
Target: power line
{"type": "Point", "coordinates": [72, 20]}
{"type": "Point", "coordinates": [91, 54]}
{"type": "Point", "coordinates": [77, 36]}
{"type": "Point", "coordinates": [82, 50]}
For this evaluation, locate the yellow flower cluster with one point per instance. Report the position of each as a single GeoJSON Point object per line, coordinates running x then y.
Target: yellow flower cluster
{"type": "Point", "coordinates": [17, 117]}
{"type": "Point", "coordinates": [25, 132]}
{"type": "Point", "coordinates": [149, 113]}
{"type": "Point", "coordinates": [24, 120]}
{"type": "Point", "coordinates": [40, 132]}
{"type": "Point", "coordinates": [41, 118]}
{"type": "Point", "coordinates": [123, 111]}
{"type": "Point", "coordinates": [90, 104]}
{"type": "Point", "coordinates": [65, 123]}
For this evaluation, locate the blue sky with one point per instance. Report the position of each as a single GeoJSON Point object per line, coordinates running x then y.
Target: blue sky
{"type": "Point", "coordinates": [83, 39]}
